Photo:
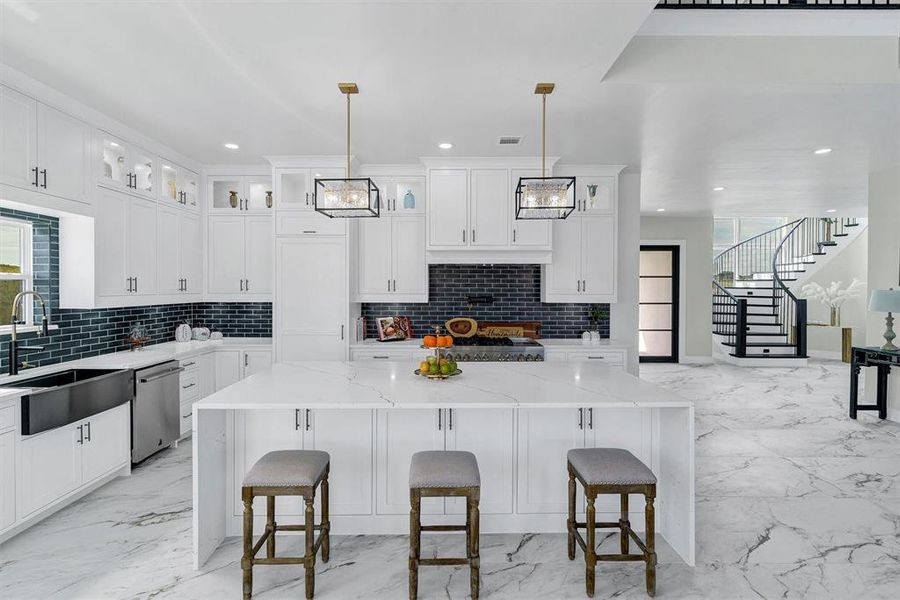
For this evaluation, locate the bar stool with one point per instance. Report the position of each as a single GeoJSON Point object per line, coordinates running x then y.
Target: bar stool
{"type": "Point", "coordinates": [440, 473]}
{"type": "Point", "coordinates": [286, 473]}
{"type": "Point", "coordinates": [611, 471]}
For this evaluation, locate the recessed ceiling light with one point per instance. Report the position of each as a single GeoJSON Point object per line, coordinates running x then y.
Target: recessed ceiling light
{"type": "Point", "coordinates": [822, 151]}
{"type": "Point", "coordinates": [831, 210]}
{"type": "Point", "coordinates": [167, 167]}
{"type": "Point", "coordinates": [660, 210]}
{"type": "Point", "coordinates": [231, 146]}
{"type": "Point", "coordinates": [719, 188]}
{"type": "Point", "coordinates": [318, 174]}
{"type": "Point", "coordinates": [114, 144]}
{"type": "Point", "coordinates": [445, 145]}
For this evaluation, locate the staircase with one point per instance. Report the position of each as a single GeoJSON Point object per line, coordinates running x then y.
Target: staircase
{"type": "Point", "coordinates": [757, 318]}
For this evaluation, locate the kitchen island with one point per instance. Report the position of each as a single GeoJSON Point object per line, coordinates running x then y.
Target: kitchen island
{"type": "Point", "coordinates": [519, 419]}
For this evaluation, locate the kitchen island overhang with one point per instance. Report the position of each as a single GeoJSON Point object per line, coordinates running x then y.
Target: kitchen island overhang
{"type": "Point", "coordinates": [518, 418]}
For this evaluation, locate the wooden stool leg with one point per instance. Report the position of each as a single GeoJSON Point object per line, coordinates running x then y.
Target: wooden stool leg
{"type": "Point", "coordinates": [270, 526]}
{"type": "Point", "coordinates": [472, 532]}
{"type": "Point", "coordinates": [326, 521]}
{"type": "Point", "coordinates": [590, 555]}
{"type": "Point", "coordinates": [246, 559]}
{"type": "Point", "coordinates": [650, 527]}
{"type": "Point", "coordinates": [415, 501]}
{"type": "Point", "coordinates": [309, 557]}
{"type": "Point", "coordinates": [624, 524]}
{"type": "Point", "coordinates": [570, 522]}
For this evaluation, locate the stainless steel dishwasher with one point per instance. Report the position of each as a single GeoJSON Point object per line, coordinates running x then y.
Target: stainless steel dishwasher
{"type": "Point", "coordinates": [155, 418]}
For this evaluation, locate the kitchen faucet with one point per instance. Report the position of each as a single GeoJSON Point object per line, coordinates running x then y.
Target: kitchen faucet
{"type": "Point", "coordinates": [14, 347]}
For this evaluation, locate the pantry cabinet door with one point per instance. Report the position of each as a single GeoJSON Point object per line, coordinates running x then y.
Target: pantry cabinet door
{"type": "Point", "coordinates": [448, 217]}
{"type": "Point", "coordinates": [545, 437]}
{"type": "Point", "coordinates": [374, 258]}
{"type": "Point", "coordinates": [142, 245]}
{"type": "Point", "coordinates": [107, 442]}
{"type": "Point", "coordinates": [347, 436]}
{"type": "Point", "coordinates": [259, 243]}
{"type": "Point", "coordinates": [489, 203]}
{"type": "Point", "coordinates": [399, 435]}
{"type": "Point", "coordinates": [110, 231]}
{"type": "Point", "coordinates": [410, 273]}
{"type": "Point", "coordinates": [489, 434]}
{"type": "Point", "coordinates": [226, 254]}
{"type": "Point", "coordinates": [307, 268]}
{"type": "Point", "coordinates": [63, 154]}
{"type": "Point", "coordinates": [51, 466]}
{"type": "Point", "coordinates": [18, 139]}
{"type": "Point", "coordinates": [599, 258]}
{"type": "Point", "coordinates": [169, 250]}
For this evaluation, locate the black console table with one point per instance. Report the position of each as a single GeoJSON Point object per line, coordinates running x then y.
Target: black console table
{"type": "Point", "coordinates": [871, 357]}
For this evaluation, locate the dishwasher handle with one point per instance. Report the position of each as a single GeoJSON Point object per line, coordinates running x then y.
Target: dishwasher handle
{"type": "Point", "coordinates": [161, 375]}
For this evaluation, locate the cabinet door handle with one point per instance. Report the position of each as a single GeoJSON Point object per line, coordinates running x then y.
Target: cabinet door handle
{"type": "Point", "coordinates": [190, 364]}
{"type": "Point", "coordinates": [80, 434]}
{"type": "Point", "coordinates": [242, 285]}
{"type": "Point", "coordinates": [135, 285]}
{"type": "Point", "coordinates": [583, 285]}
{"type": "Point", "coordinates": [296, 419]}
{"type": "Point", "coordinates": [188, 386]}
{"type": "Point", "coordinates": [87, 428]}
{"type": "Point", "coordinates": [580, 418]}
{"type": "Point", "coordinates": [381, 357]}
{"type": "Point", "coordinates": [591, 418]}
{"type": "Point", "coordinates": [389, 285]}
{"type": "Point", "coordinates": [187, 415]}
{"type": "Point", "coordinates": [464, 236]}
{"type": "Point", "coordinates": [450, 419]}
{"type": "Point", "coordinates": [307, 198]}
{"type": "Point", "coordinates": [246, 359]}
{"type": "Point", "coordinates": [514, 236]}
{"type": "Point", "coordinates": [128, 284]}
{"type": "Point", "coordinates": [473, 236]}
{"type": "Point", "coordinates": [440, 424]}
{"type": "Point", "coordinates": [595, 357]}
{"type": "Point", "coordinates": [44, 176]}
{"type": "Point", "coordinates": [35, 171]}
{"type": "Point", "coordinates": [307, 419]}
{"type": "Point", "coordinates": [246, 285]}
{"type": "Point", "coordinates": [395, 285]}
{"type": "Point", "coordinates": [342, 332]}
{"type": "Point", "coordinates": [185, 284]}
{"type": "Point", "coordinates": [309, 231]}
{"type": "Point", "coordinates": [579, 284]}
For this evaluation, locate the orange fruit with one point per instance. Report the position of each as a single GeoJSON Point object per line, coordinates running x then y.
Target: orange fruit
{"type": "Point", "coordinates": [448, 340]}
{"type": "Point", "coordinates": [430, 341]}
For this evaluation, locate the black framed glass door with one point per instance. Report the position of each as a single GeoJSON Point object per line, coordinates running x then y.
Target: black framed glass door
{"type": "Point", "coordinates": [658, 303]}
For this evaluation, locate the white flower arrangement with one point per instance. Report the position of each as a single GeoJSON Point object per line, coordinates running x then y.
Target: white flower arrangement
{"type": "Point", "coordinates": [833, 296]}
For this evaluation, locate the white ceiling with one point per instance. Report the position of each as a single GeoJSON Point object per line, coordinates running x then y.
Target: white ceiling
{"type": "Point", "coordinates": [196, 74]}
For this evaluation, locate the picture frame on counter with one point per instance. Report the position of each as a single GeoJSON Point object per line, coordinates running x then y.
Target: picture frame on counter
{"type": "Point", "coordinates": [392, 329]}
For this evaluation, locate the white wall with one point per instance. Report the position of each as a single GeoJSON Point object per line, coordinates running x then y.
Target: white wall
{"type": "Point", "coordinates": [883, 268]}
{"type": "Point", "coordinates": [623, 315]}
{"type": "Point", "coordinates": [850, 261]}
{"type": "Point", "coordinates": [696, 232]}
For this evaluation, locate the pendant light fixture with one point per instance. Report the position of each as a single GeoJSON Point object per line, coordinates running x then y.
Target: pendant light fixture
{"type": "Point", "coordinates": [347, 197]}
{"type": "Point", "coordinates": [544, 197]}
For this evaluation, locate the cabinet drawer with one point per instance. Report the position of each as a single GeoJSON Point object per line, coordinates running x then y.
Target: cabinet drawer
{"type": "Point", "coordinates": [186, 416]}
{"type": "Point", "coordinates": [190, 386]}
{"type": "Point", "coordinates": [380, 355]}
{"type": "Point", "coordinates": [189, 364]}
{"type": "Point", "coordinates": [609, 357]}
{"type": "Point", "coordinates": [308, 223]}
{"type": "Point", "coordinates": [7, 417]}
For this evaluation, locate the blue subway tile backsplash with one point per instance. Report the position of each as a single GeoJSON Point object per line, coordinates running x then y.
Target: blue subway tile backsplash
{"type": "Point", "coordinates": [516, 294]}
{"type": "Point", "coordinates": [90, 332]}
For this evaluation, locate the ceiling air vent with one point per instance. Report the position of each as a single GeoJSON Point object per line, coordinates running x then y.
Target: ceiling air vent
{"type": "Point", "coordinates": [510, 140]}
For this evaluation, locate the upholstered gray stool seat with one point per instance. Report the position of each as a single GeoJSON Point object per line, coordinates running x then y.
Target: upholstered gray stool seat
{"type": "Point", "coordinates": [286, 468]}
{"type": "Point", "coordinates": [443, 469]}
{"type": "Point", "coordinates": [610, 466]}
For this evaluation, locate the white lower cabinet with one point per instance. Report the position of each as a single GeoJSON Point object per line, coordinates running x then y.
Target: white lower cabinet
{"type": "Point", "coordinates": [345, 434]}
{"type": "Point", "coordinates": [232, 365]}
{"type": "Point", "coordinates": [545, 436]}
{"type": "Point", "coordinates": [399, 435]}
{"type": "Point", "coordinates": [57, 462]}
{"type": "Point", "coordinates": [254, 361]}
{"type": "Point", "coordinates": [488, 433]}
{"type": "Point", "coordinates": [8, 477]}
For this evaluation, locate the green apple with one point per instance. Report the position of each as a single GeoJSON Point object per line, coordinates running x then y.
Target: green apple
{"type": "Point", "coordinates": [445, 369]}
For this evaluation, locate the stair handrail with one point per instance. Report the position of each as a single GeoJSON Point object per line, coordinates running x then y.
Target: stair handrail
{"type": "Point", "coordinates": [798, 310]}
{"type": "Point", "coordinates": [757, 236]}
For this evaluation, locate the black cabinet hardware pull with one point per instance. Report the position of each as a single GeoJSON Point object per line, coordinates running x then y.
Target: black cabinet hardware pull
{"type": "Point", "coordinates": [382, 357]}
{"type": "Point", "coordinates": [307, 419]}
{"type": "Point", "coordinates": [44, 176]}
{"type": "Point", "coordinates": [242, 285]}
{"type": "Point", "coordinates": [186, 416]}
{"type": "Point", "coordinates": [296, 419]}
{"type": "Point", "coordinates": [87, 427]}
{"type": "Point", "coordinates": [246, 359]}
{"type": "Point", "coordinates": [190, 364]}
{"type": "Point", "coordinates": [190, 385]}
{"type": "Point", "coordinates": [439, 418]}
{"type": "Point", "coordinates": [135, 285]}
{"type": "Point", "coordinates": [450, 419]}
{"type": "Point", "coordinates": [580, 418]}
{"type": "Point", "coordinates": [80, 434]}
{"type": "Point", "coordinates": [35, 171]}
{"type": "Point", "coordinates": [591, 418]}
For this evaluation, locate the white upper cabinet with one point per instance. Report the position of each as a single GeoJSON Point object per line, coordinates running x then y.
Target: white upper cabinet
{"type": "Point", "coordinates": [240, 255]}
{"type": "Point", "coordinates": [596, 194]}
{"type": "Point", "coordinates": [179, 186]}
{"type": "Point", "coordinates": [527, 233]}
{"type": "Point", "coordinates": [141, 242]}
{"type": "Point", "coordinates": [239, 194]}
{"type": "Point", "coordinates": [584, 267]}
{"type": "Point", "coordinates": [125, 230]}
{"type": "Point", "coordinates": [489, 207]}
{"type": "Point", "coordinates": [448, 208]}
{"type": "Point", "coordinates": [295, 187]}
{"type": "Point", "coordinates": [42, 149]}
{"type": "Point", "coordinates": [401, 195]}
{"type": "Point", "coordinates": [124, 166]}
{"type": "Point", "coordinates": [391, 260]}
{"type": "Point", "coordinates": [374, 258]}
{"type": "Point", "coordinates": [18, 139]}
{"type": "Point", "coordinates": [179, 264]}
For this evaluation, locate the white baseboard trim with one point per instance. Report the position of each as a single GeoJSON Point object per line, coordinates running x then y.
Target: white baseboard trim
{"type": "Point", "coordinates": [893, 414]}
{"type": "Point", "coordinates": [696, 360]}
{"type": "Point", "coordinates": [824, 354]}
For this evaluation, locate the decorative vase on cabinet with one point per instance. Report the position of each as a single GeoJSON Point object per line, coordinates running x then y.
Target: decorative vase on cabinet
{"type": "Point", "coordinates": [268, 198]}
{"type": "Point", "coordinates": [409, 200]}
{"type": "Point", "coordinates": [233, 199]}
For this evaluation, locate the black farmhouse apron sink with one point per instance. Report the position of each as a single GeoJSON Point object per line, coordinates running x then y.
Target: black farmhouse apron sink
{"type": "Point", "coordinates": [61, 398]}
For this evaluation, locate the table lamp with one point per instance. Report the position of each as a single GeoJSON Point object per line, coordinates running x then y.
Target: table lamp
{"type": "Point", "coordinates": [886, 301]}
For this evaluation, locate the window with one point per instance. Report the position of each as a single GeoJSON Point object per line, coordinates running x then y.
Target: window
{"type": "Point", "coordinates": [16, 273]}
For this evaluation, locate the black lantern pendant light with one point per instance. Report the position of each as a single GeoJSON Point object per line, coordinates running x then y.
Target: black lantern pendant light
{"type": "Point", "coordinates": [544, 197]}
{"type": "Point", "coordinates": [347, 197]}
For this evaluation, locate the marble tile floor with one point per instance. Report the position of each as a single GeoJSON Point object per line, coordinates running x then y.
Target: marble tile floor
{"type": "Point", "coordinates": [794, 500]}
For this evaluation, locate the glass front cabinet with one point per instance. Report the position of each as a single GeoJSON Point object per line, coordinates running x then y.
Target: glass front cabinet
{"type": "Point", "coordinates": [125, 166]}
{"type": "Point", "coordinates": [239, 194]}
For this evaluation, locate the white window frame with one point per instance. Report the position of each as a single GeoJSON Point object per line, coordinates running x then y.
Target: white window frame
{"type": "Point", "coordinates": [26, 239]}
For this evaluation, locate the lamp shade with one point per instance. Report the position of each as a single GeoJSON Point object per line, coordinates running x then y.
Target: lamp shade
{"type": "Point", "coordinates": [885, 301]}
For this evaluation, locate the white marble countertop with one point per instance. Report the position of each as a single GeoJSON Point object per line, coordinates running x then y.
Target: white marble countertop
{"type": "Point", "coordinates": [382, 384]}
{"type": "Point", "coordinates": [127, 359]}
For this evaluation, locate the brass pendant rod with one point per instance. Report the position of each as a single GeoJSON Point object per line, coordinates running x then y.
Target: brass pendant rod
{"type": "Point", "coordinates": [348, 135]}
{"type": "Point", "coordinates": [543, 134]}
